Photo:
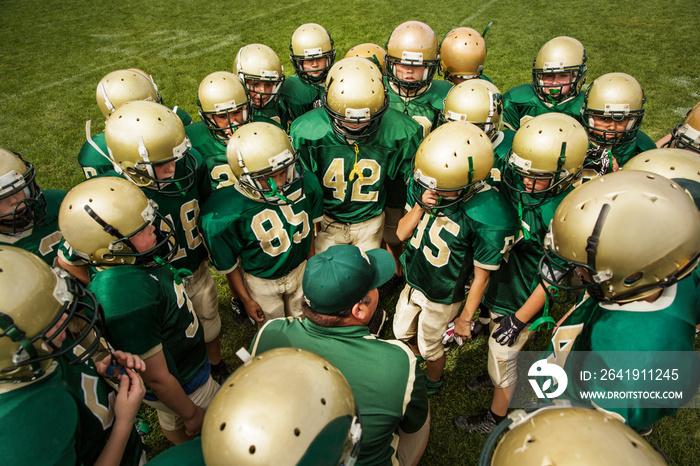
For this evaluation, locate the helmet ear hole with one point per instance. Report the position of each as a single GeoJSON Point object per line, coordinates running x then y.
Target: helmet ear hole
{"type": "Point", "coordinates": [634, 278]}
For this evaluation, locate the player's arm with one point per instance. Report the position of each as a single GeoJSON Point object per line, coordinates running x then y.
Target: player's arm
{"type": "Point", "coordinates": [168, 390]}
{"type": "Point", "coordinates": [78, 271]}
{"type": "Point", "coordinates": [235, 283]}
{"type": "Point", "coordinates": [663, 141]}
{"type": "Point", "coordinates": [409, 222]}
{"type": "Point", "coordinates": [532, 306]}
{"type": "Point", "coordinates": [476, 293]}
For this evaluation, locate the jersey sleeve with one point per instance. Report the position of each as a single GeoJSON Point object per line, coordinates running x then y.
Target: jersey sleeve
{"type": "Point", "coordinates": [315, 195]}
{"type": "Point", "coordinates": [215, 222]}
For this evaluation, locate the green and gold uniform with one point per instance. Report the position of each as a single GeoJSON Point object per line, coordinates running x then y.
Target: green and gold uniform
{"type": "Point", "coordinates": [641, 330]}
{"type": "Point", "coordinates": [522, 103]}
{"type": "Point", "coordinates": [42, 240]}
{"type": "Point", "coordinates": [275, 110]}
{"type": "Point", "coordinates": [301, 97]}
{"type": "Point", "coordinates": [640, 144]}
{"type": "Point", "coordinates": [440, 256]}
{"type": "Point", "coordinates": [386, 381]}
{"type": "Point", "coordinates": [147, 311]}
{"type": "Point", "coordinates": [387, 155]}
{"type": "Point", "coordinates": [501, 147]}
{"type": "Point", "coordinates": [93, 163]}
{"type": "Point", "coordinates": [424, 108]}
{"type": "Point", "coordinates": [269, 240]}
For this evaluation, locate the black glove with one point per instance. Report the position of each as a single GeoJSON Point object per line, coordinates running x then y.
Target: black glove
{"type": "Point", "coordinates": [598, 159]}
{"type": "Point", "coordinates": [508, 330]}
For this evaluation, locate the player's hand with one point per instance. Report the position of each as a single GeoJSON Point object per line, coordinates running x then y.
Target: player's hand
{"type": "Point", "coordinates": [121, 358]}
{"type": "Point", "coordinates": [430, 197]}
{"type": "Point", "coordinates": [193, 425]}
{"type": "Point", "coordinates": [615, 165]}
{"type": "Point", "coordinates": [507, 332]}
{"type": "Point", "coordinates": [254, 311]}
{"type": "Point", "coordinates": [463, 328]}
{"type": "Point", "coordinates": [130, 395]}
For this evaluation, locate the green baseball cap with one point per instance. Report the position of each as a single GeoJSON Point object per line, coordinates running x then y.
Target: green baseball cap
{"type": "Point", "coordinates": [342, 275]}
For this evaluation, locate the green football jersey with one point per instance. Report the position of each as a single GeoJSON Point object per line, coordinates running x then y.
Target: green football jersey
{"type": "Point", "coordinates": [300, 97]}
{"type": "Point", "coordinates": [640, 144]}
{"type": "Point", "coordinates": [38, 423]}
{"type": "Point", "coordinates": [183, 212]}
{"type": "Point", "coordinates": [44, 239]}
{"type": "Point", "coordinates": [275, 111]}
{"type": "Point", "coordinates": [146, 309]}
{"type": "Point", "coordinates": [185, 454]}
{"type": "Point", "coordinates": [94, 163]}
{"type": "Point", "coordinates": [425, 108]}
{"type": "Point", "coordinates": [443, 251]}
{"type": "Point", "coordinates": [521, 103]}
{"type": "Point", "coordinates": [501, 147]}
{"type": "Point", "coordinates": [95, 399]}
{"type": "Point", "coordinates": [511, 285]}
{"type": "Point", "coordinates": [607, 329]}
{"type": "Point", "coordinates": [270, 240]}
{"type": "Point", "coordinates": [347, 197]}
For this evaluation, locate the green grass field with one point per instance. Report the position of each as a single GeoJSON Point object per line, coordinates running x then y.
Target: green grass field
{"type": "Point", "coordinates": [54, 53]}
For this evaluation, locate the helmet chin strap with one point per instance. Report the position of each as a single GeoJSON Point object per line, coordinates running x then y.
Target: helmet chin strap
{"type": "Point", "coordinates": [275, 192]}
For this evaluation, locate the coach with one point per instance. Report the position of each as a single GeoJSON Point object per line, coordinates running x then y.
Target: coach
{"type": "Point", "coordinates": [340, 288]}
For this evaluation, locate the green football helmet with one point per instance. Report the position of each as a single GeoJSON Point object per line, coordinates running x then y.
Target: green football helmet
{"type": "Point", "coordinates": [562, 54]}
{"type": "Point", "coordinates": [618, 97]}
{"type": "Point", "coordinates": [550, 147]}
{"type": "Point", "coordinates": [258, 151]}
{"type": "Point", "coordinates": [476, 101]}
{"type": "Point", "coordinates": [586, 237]}
{"type": "Point", "coordinates": [565, 435]}
{"type": "Point", "coordinates": [99, 217]}
{"type": "Point", "coordinates": [122, 86]}
{"type": "Point", "coordinates": [355, 99]}
{"type": "Point", "coordinates": [457, 159]}
{"type": "Point", "coordinates": [34, 300]}
{"type": "Point", "coordinates": [309, 42]}
{"type": "Point", "coordinates": [220, 94]}
{"type": "Point", "coordinates": [258, 64]}
{"type": "Point", "coordinates": [686, 135]}
{"type": "Point", "coordinates": [22, 203]}
{"type": "Point", "coordinates": [414, 44]}
{"type": "Point", "coordinates": [284, 406]}
{"type": "Point", "coordinates": [141, 135]}
{"type": "Point", "coordinates": [462, 54]}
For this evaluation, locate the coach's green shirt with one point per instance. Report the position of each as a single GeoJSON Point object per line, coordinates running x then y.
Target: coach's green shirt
{"type": "Point", "coordinates": [44, 239]}
{"type": "Point", "coordinates": [443, 251]}
{"type": "Point", "coordinates": [270, 240]}
{"type": "Point", "coordinates": [521, 102]}
{"type": "Point", "coordinates": [386, 381]}
{"type": "Point", "coordinates": [348, 197]}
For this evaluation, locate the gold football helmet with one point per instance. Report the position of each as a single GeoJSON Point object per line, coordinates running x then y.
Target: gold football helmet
{"type": "Point", "coordinates": [677, 165]}
{"type": "Point", "coordinates": [593, 439]}
{"type": "Point", "coordinates": [256, 153]}
{"type": "Point", "coordinates": [476, 101]}
{"type": "Point", "coordinates": [221, 94]}
{"type": "Point", "coordinates": [141, 135]}
{"type": "Point", "coordinates": [618, 97]}
{"type": "Point", "coordinates": [122, 86]}
{"type": "Point", "coordinates": [462, 54]}
{"type": "Point", "coordinates": [311, 41]}
{"type": "Point", "coordinates": [412, 44]}
{"type": "Point", "coordinates": [99, 217]}
{"type": "Point", "coordinates": [585, 236]}
{"type": "Point", "coordinates": [259, 66]}
{"type": "Point", "coordinates": [284, 406]}
{"type": "Point", "coordinates": [370, 51]}
{"type": "Point", "coordinates": [153, 83]}
{"type": "Point", "coordinates": [355, 99]}
{"type": "Point", "coordinates": [550, 147]}
{"type": "Point", "coordinates": [562, 54]}
{"type": "Point", "coordinates": [686, 135]}
{"type": "Point", "coordinates": [22, 203]}
{"type": "Point", "coordinates": [457, 159]}
{"type": "Point", "coordinates": [34, 300]}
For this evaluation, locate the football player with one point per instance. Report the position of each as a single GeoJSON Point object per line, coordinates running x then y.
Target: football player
{"type": "Point", "coordinates": [49, 385]}
{"type": "Point", "coordinates": [353, 145]}
{"type": "Point", "coordinates": [111, 224]}
{"type": "Point", "coordinates": [115, 89]}
{"type": "Point", "coordinates": [612, 112]}
{"type": "Point", "coordinates": [462, 55]}
{"type": "Point", "coordinates": [276, 397]}
{"type": "Point", "coordinates": [261, 230]}
{"type": "Point", "coordinates": [632, 284]}
{"type": "Point", "coordinates": [558, 73]}
{"type": "Point", "coordinates": [456, 226]}
{"type": "Point", "coordinates": [28, 215]}
{"type": "Point", "coordinates": [261, 71]}
{"type": "Point", "coordinates": [312, 57]}
{"type": "Point", "coordinates": [370, 51]}
{"type": "Point", "coordinates": [546, 158]}
{"type": "Point", "coordinates": [686, 135]}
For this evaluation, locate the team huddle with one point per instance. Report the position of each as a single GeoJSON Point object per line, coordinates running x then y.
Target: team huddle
{"type": "Point", "coordinates": [316, 195]}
